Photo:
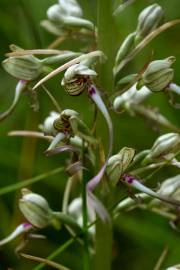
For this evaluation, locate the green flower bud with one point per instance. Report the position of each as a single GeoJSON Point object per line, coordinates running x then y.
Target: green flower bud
{"type": "Point", "coordinates": [117, 164]}
{"type": "Point", "coordinates": [35, 209]}
{"type": "Point", "coordinates": [158, 74]}
{"type": "Point", "coordinates": [125, 48]}
{"type": "Point", "coordinates": [170, 186]}
{"type": "Point", "coordinates": [149, 19]}
{"type": "Point", "coordinates": [26, 68]}
{"type": "Point", "coordinates": [164, 145]}
{"type": "Point", "coordinates": [129, 79]}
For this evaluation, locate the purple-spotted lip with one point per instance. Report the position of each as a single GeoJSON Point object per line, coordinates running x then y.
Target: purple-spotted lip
{"type": "Point", "coordinates": [92, 90]}
{"type": "Point", "coordinates": [128, 178]}
{"type": "Point", "coordinates": [27, 225]}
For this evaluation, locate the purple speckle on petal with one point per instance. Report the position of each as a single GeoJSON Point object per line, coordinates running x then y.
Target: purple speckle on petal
{"type": "Point", "coordinates": [26, 225]}
{"type": "Point", "coordinates": [23, 81]}
{"type": "Point", "coordinates": [92, 90]}
{"type": "Point", "coordinates": [128, 178]}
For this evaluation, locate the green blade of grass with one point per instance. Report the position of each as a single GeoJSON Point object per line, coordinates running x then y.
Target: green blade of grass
{"type": "Point", "coordinates": [29, 181]}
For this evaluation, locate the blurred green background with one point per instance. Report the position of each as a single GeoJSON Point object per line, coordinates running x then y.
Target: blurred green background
{"type": "Point", "coordinates": [139, 237]}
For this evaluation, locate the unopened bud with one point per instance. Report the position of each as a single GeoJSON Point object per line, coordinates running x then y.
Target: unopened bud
{"type": "Point", "coordinates": [158, 74]}
{"type": "Point", "coordinates": [26, 68]}
{"type": "Point", "coordinates": [127, 80]}
{"type": "Point", "coordinates": [164, 145]}
{"type": "Point", "coordinates": [117, 164]}
{"type": "Point", "coordinates": [125, 48]}
{"type": "Point", "coordinates": [149, 19]}
{"type": "Point", "coordinates": [170, 186]}
{"type": "Point", "coordinates": [35, 209]}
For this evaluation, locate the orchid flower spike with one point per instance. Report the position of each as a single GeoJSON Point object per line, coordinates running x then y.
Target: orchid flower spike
{"type": "Point", "coordinates": [21, 229]}
{"type": "Point", "coordinates": [78, 78]}
{"type": "Point", "coordinates": [131, 181]}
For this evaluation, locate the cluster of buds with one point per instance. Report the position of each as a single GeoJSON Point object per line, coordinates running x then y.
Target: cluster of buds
{"type": "Point", "coordinates": [165, 147]}
{"type": "Point", "coordinates": [149, 19]}
{"type": "Point", "coordinates": [65, 16]}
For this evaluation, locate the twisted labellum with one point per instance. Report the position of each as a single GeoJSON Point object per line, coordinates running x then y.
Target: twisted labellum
{"type": "Point", "coordinates": [76, 86]}
{"type": "Point", "coordinates": [133, 182]}
{"type": "Point", "coordinates": [62, 124]}
{"type": "Point", "coordinates": [20, 87]}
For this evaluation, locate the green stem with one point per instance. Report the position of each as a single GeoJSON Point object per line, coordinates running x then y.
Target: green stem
{"type": "Point", "coordinates": [56, 252]}
{"type": "Point", "coordinates": [106, 42]}
{"type": "Point", "coordinates": [30, 181]}
{"type": "Point", "coordinates": [86, 258]}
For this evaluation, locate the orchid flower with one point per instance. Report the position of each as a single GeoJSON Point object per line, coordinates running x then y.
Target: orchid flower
{"type": "Point", "coordinates": [131, 181]}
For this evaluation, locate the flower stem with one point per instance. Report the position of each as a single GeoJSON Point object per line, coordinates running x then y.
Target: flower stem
{"type": "Point", "coordinates": [106, 41]}
{"type": "Point", "coordinates": [86, 258]}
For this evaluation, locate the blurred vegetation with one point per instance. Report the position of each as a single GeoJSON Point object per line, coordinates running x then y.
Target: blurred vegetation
{"type": "Point", "coordinates": [139, 237]}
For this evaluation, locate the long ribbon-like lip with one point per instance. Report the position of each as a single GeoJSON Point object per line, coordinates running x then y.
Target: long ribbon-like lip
{"type": "Point", "coordinates": [22, 228]}
{"type": "Point", "coordinates": [101, 106]}
{"type": "Point", "coordinates": [21, 85]}
{"type": "Point", "coordinates": [133, 182]}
